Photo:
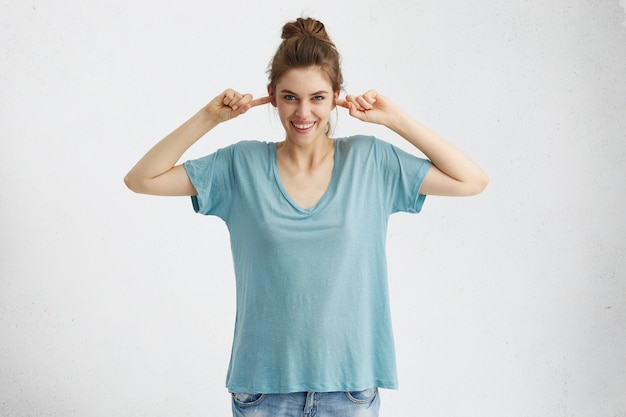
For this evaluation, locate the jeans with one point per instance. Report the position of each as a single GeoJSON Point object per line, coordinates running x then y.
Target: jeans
{"type": "Point", "coordinates": [308, 404]}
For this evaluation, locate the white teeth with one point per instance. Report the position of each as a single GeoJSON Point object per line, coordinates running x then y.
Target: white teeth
{"type": "Point", "coordinates": [304, 127]}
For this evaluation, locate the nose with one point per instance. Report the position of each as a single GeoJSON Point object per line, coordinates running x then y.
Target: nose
{"type": "Point", "coordinates": [303, 109]}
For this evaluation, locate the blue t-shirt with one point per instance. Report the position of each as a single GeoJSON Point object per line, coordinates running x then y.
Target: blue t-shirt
{"type": "Point", "coordinates": [312, 299]}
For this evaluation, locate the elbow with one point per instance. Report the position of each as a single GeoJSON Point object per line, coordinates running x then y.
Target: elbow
{"type": "Point", "coordinates": [133, 184]}
{"type": "Point", "coordinates": [128, 181]}
{"type": "Point", "coordinates": [479, 184]}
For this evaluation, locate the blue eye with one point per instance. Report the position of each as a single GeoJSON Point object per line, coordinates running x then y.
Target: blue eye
{"type": "Point", "coordinates": [318, 98]}
{"type": "Point", "coordinates": [290, 97]}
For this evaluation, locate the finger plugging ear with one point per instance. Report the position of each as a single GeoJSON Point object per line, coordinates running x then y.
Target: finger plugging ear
{"type": "Point", "coordinates": [354, 103]}
{"type": "Point", "coordinates": [260, 101]}
{"type": "Point", "coordinates": [342, 103]}
{"type": "Point", "coordinates": [347, 105]}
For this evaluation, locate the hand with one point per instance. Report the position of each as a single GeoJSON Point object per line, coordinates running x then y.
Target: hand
{"type": "Point", "coordinates": [370, 107]}
{"type": "Point", "coordinates": [231, 104]}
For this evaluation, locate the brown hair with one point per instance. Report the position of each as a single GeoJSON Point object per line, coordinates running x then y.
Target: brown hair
{"type": "Point", "coordinates": [306, 43]}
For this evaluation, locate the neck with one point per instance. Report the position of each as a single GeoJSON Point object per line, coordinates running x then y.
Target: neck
{"type": "Point", "coordinates": [305, 156]}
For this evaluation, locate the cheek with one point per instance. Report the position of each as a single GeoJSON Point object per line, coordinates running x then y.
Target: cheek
{"type": "Point", "coordinates": [281, 112]}
{"type": "Point", "coordinates": [323, 112]}
{"type": "Point", "coordinates": [284, 110]}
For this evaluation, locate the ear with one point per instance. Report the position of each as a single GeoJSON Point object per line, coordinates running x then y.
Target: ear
{"type": "Point", "coordinates": [270, 92]}
{"type": "Point", "coordinates": [336, 96]}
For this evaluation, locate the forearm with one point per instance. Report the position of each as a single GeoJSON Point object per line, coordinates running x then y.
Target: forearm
{"type": "Point", "coordinates": [444, 156]}
{"type": "Point", "coordinates": [157, 174]}
{"type": "Point", "coordinates": [166, 153]}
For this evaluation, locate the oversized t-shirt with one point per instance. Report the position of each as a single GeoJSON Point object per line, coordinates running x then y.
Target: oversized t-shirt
{"type": "Point", "coordinates": [312, 299]}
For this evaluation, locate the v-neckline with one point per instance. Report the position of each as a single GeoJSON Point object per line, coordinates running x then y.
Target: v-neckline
{"type": "Point", "coordinates": [325, 195]}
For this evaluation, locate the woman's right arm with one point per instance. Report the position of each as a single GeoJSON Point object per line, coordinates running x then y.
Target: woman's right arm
{"type": "Point", "coordinates": [157, 173]}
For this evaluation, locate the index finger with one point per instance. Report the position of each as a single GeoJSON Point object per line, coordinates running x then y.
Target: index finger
{"type": "Point", "coordinates": [342, 103]}
{"type": "Point", "coordinates": [260, 101]}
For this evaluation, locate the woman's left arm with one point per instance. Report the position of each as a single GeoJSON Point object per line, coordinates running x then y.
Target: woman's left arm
{"type": "Point", "coordinates": [452, 174]}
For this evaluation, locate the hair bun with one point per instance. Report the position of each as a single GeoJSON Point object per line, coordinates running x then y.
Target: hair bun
{"type": "Point", "coordinates": [306, 27]}
{"type": "Point", "coordinates": [305, 43]}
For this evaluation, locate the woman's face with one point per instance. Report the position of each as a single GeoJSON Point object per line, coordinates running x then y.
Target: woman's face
{"type": "Point", "coordinates": [304, 98]}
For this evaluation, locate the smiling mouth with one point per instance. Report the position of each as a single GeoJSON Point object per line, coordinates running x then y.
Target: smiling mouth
{"type": "Point", "coordinates": [303, 127]}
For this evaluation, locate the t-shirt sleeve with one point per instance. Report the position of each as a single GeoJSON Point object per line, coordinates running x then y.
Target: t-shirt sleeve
{"type": "Point", "coordinates": [212, 179]}
{"type": "Point", "coordinates": [403, 174]}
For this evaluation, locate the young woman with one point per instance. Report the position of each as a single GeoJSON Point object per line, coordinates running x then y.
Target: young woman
{"type": "Point", "coordinates": [307, 218]}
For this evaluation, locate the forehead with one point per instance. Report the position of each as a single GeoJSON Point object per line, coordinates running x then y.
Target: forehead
{"type": "Point", "coordinates": [305, 80]}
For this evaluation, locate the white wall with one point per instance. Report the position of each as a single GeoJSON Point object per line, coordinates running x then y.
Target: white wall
{"type": "Point", "coordinates": [510, 303]}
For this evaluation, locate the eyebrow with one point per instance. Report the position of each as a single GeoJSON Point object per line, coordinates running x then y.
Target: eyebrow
{"type": "Point", "coordinates": [313, 94]}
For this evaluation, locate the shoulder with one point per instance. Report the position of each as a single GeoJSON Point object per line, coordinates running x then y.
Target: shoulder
{"type": "Point", "coordinates": [363, 145]}
{"type": "Point", "coordinates": [357, 143]}
{"type": "Point", "coordinates": [230, 154]}
{"type": "Point", "coordinates": [246, 149]}
{"type": "Point", "coordinates": [363, 141]}
{"type": "Point", "coordinates": [247, 146]}
{"type": "Point", "coordinates": [358, 140]}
